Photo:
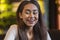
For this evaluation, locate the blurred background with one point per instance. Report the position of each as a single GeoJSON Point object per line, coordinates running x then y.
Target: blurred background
{"type": "Point", "coordinates": [50, 11]}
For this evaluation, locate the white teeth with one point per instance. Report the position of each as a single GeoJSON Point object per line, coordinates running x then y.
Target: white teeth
{"type": "Point", "coordinates": [31, 20]}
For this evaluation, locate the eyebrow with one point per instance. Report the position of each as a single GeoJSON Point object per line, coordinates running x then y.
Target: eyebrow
{"type": "Point", "coordinates": [27, 10]}
{"type": "Point", "coordinates": [32, 10]}
{"type": "Point", "coordinates": [35, 10]}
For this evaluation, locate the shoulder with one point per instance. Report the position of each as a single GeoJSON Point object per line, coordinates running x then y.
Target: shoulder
{"type": "Point", "coordinates": [12, 32]}
{"type": "Point", "coordinates": [14, 26]}
{"type": "Point", "coordinates": [48, 36]}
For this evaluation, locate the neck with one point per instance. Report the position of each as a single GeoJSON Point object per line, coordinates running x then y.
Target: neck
{"type": "Point", "coordinates": [30, 29]}
{"type": "Point", "coordinates": [30, 33]}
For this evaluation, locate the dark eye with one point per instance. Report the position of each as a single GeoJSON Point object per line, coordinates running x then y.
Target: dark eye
{"type": "Point", "coordinates": [35, 12]}
{"type": "Point", "coordinates": [28, 12]}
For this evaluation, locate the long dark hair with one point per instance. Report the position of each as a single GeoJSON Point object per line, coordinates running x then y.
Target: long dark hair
{"type": "Point", "coordinates": [39, 28]}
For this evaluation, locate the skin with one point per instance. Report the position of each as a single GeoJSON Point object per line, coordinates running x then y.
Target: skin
{"type": "Point", "coordinates": [29, 15]}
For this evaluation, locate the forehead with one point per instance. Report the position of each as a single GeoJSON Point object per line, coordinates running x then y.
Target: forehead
{"type": "Point", "coordinates": [31, 6]}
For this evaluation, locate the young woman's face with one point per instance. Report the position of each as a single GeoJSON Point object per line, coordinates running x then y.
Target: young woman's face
{"type": "Point", "coordinates": [29, 15]}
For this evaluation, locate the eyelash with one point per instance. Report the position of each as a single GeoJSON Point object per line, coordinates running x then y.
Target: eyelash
{"type": "Point", "coordinates": [34, 12]}
{"type": "Point", "coordinates": [27, 12]}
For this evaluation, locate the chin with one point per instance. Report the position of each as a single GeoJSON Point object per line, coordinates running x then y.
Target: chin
{"type": "Point", "coordinates": [30, 25]}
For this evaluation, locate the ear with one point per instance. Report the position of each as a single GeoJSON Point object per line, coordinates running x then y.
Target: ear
{"type": "Point", "coordinates": [20, 15]}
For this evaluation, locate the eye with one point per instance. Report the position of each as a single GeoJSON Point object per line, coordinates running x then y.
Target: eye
{"type": "Point", "coordinates": [35, 12]}
{"type": "Point", "coordinates": [28, 12]}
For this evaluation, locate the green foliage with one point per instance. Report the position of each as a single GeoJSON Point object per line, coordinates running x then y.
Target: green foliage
{"type": "Point", "coordinates": [6, 19]}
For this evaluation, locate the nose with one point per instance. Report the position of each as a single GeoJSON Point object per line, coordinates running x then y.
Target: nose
{"type": "Point", "coordinates": [32, 15]}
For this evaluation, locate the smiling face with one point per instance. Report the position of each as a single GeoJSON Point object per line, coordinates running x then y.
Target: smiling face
{"type": "Point", "coordinates": [29, 15]}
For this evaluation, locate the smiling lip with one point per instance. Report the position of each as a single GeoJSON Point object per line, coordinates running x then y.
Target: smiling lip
{"type": "Point", "coordinates": [31, 21]}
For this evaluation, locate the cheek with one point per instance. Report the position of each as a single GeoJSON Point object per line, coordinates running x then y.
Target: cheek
{"type": "Point", "coordinates": [25, 18]}
{"type": "Point", "coordinates": [36, 16]}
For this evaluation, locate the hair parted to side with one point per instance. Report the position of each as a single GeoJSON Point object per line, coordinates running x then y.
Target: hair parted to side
{"type": "Point", "coordinates": [42, 28]}
{"type": "Point", "coordinates": [21, 7]}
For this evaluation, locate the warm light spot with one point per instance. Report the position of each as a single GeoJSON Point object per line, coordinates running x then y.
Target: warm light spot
{"type": "Point", "coordinates": [2, 1]}
{"type": "Point", "coordinates": [3, 7]}
{"type": "Point", "coordinates": [41, 3]}
{"type": "Point", "coordinates": [59, 21]}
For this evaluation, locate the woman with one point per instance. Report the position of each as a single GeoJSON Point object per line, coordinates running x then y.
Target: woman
{"type": "Point", "coordinates": [30, 25]}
